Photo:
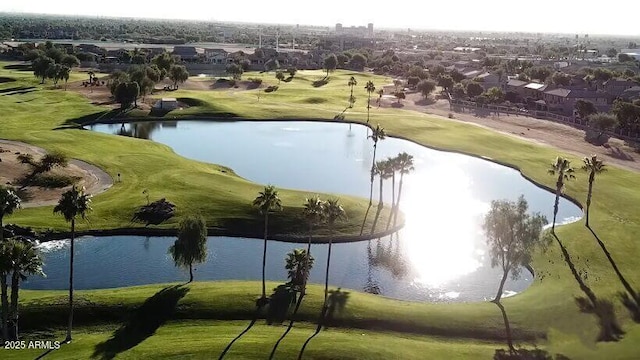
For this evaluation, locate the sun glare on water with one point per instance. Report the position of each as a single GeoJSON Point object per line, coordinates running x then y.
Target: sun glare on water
{"type": "Point", "coordinates": [442, 227]}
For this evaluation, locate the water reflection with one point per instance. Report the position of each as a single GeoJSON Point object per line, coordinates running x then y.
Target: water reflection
{"type": "Point", "coordinates": [446, 236]}
{"type": "Point", "coordinates": [388, 255]}
{"type": "Point", "coordinates": [439, 255]}
{"type": "Point", "coordinates": [141, 130]}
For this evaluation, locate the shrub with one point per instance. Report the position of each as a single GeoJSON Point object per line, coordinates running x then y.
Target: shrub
{"type": "Point", "coordinates": [154, 213]}
{"type": "Point", "coordinates": [53, 181]}
{"type": "Point", "coordinates": [271, 89]}
{"type": "Point", "coordinates": [257, 81]}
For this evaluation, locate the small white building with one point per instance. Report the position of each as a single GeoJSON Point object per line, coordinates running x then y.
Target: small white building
{"type": "Point", "coordinates": [166, 104]}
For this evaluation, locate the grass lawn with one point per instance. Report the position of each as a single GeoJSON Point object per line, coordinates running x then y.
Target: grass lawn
{"type": "Point", "coordinates": [546, 308]}
{"type": "Point", "coordinates": [198, 339]}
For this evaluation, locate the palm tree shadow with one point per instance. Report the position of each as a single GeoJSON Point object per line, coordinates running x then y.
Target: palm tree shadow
{"type": "Point", "coordinates": [526, 354]}
{"type": "Point", "coordinates": [260, 304]}
{"type": "Point", "coordinates": [630, 300]}
{"type": "Point", "coordinates": [143, 323]}
{"type": "Point", "coordinates": [610, 330]}
{"type": "Point", "coordinates": [336, 302]}
{"type": "Point", "coordinates": [44, 354]}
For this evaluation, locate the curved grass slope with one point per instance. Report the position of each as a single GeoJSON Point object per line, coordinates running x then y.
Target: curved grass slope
{"type": "Point", "coordinates": [410, 330]}
{"type": "Point", "coordinates": [547, 307]}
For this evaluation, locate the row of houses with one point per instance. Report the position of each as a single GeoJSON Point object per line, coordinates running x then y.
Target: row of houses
{"type": "Point", "coordinates": [217, 57]}
{"type": "Point", "coordinates": [548, 97]}
{"type": "Point", "coordinates": [562, 99]}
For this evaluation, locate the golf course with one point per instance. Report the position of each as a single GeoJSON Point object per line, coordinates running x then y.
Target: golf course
{"type": "Point", "coordinates": [197, 320]}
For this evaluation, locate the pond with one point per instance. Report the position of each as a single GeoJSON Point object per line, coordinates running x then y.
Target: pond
{"type": "Point", "coordinates": [439, 255]}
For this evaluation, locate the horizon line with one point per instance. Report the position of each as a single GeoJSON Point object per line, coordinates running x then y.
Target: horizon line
{"type": "Point", "coordinates": [418, 29]}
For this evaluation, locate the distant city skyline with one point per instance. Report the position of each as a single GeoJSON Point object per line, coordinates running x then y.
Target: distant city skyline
{"type": "Point", "coordinates": [544, 16]}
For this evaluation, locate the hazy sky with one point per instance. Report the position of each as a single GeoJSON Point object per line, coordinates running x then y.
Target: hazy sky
{"type": "Point", "coordinates": [565, 16]}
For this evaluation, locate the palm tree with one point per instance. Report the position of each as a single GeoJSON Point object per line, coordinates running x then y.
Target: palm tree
{"type": "Point", "coordinates": [298, 263]}
{"type": "Point", "coordinates": [380, 93]}
{"type": "Point", "coordinates": [382, 169]}
{"type": "Point", "coordinates": [405, 166]}
{"type": "Point", "coordinates": [26, 260]}
{"type": "Point", "coordinates": [5, 269]}
{"type": "Point", "coordinates": [72, 204]}
{"type": "Point", "coordinates": [562, 168]}
{"type": "Point", "coordinates": [594, 166]}
{"type": "Point", "coordinates": [370, 87]}
{"type": "Point", "coordinates": [333, 212]}
{"type": "Point", "coordinates": [266, 202]}
{"type": "Point", "coordinates": [377, 135]}
{"type": "Point", "coordinates": [191, 245]}
{"type": "Point", "coordinates": [393, 167]}
{"type": "Point", "coordinates": [352, 82]}
{"type": "Point", "coordinates": [313, 212]}
{"type": "Point", "coordinates": [9, 202]}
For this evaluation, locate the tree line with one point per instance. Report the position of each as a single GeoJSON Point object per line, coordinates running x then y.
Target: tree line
{"type": "Point", "coordinates": [140, 80]}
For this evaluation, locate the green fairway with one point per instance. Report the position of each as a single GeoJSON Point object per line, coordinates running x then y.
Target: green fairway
{"type": "Point", "coordinates": [206, 339]}
{"type": "Point", "coordinates": [200, 325]}
{"type": "Point", "coordinates": [547, 308]}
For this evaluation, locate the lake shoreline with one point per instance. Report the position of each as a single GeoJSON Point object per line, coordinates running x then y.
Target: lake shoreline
{"type": "Point", "coordinates": [82, 125]}
{"type": "Point", "coordinates": [213, 231]}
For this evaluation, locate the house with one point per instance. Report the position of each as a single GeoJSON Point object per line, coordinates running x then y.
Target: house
{"type": "Point", "coordinates": [187, 53]}
{"type": "Point", "coordinates": [535, 90]}
{"type": "Point", "coordinates": [631, 93]}
{"type": "Point", "coordinates": [153, 51]}
{"type": "Point", "coordinates": [471, 74]}
{"type": "Point", "coordinates": [216, 56]}
{"type": "Point", "coordinates": [564, 100]}
{"type": "Point", "coordinates": [489, 80]}
{"type": "Point", "coordinates": [461, 64]}
{"type": "Point", "coordinates": [91, 48]}
{"type": "Point", "coordinates": [617, 86]}
{"type": "Point", "coordinates": [560, 65]}
{"type": "Point", "coordinates": [516, 86]}
{"type": "Point", "coordinates": [68, 48]}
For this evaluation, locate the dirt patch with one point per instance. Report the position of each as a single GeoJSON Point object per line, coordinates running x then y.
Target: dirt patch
{"type": "Point", "coordinates": [546, 132]}
{"type": "Point", "coordinates": [91, 177]}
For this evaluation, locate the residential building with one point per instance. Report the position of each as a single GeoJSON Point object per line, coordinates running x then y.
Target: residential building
{"type": "Point", "coordinates": [216, 56]}
{"type": "Point", "coordinates": [516, 86]}
{"type": "Point", "coordinates": [489, 80]}
{"type": "Point", "coordinates": [92, 48]}
{"type": "Point", "coordinates": [471, 74]}
{"type": "Point", "coordinates": [535, 90]}
{"type": "Point", "coordinates": [617, 86]}
{"type": "Point", "coordinates": [187, 53]}
{"type": "Point", "coordinates": [563, 100]}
